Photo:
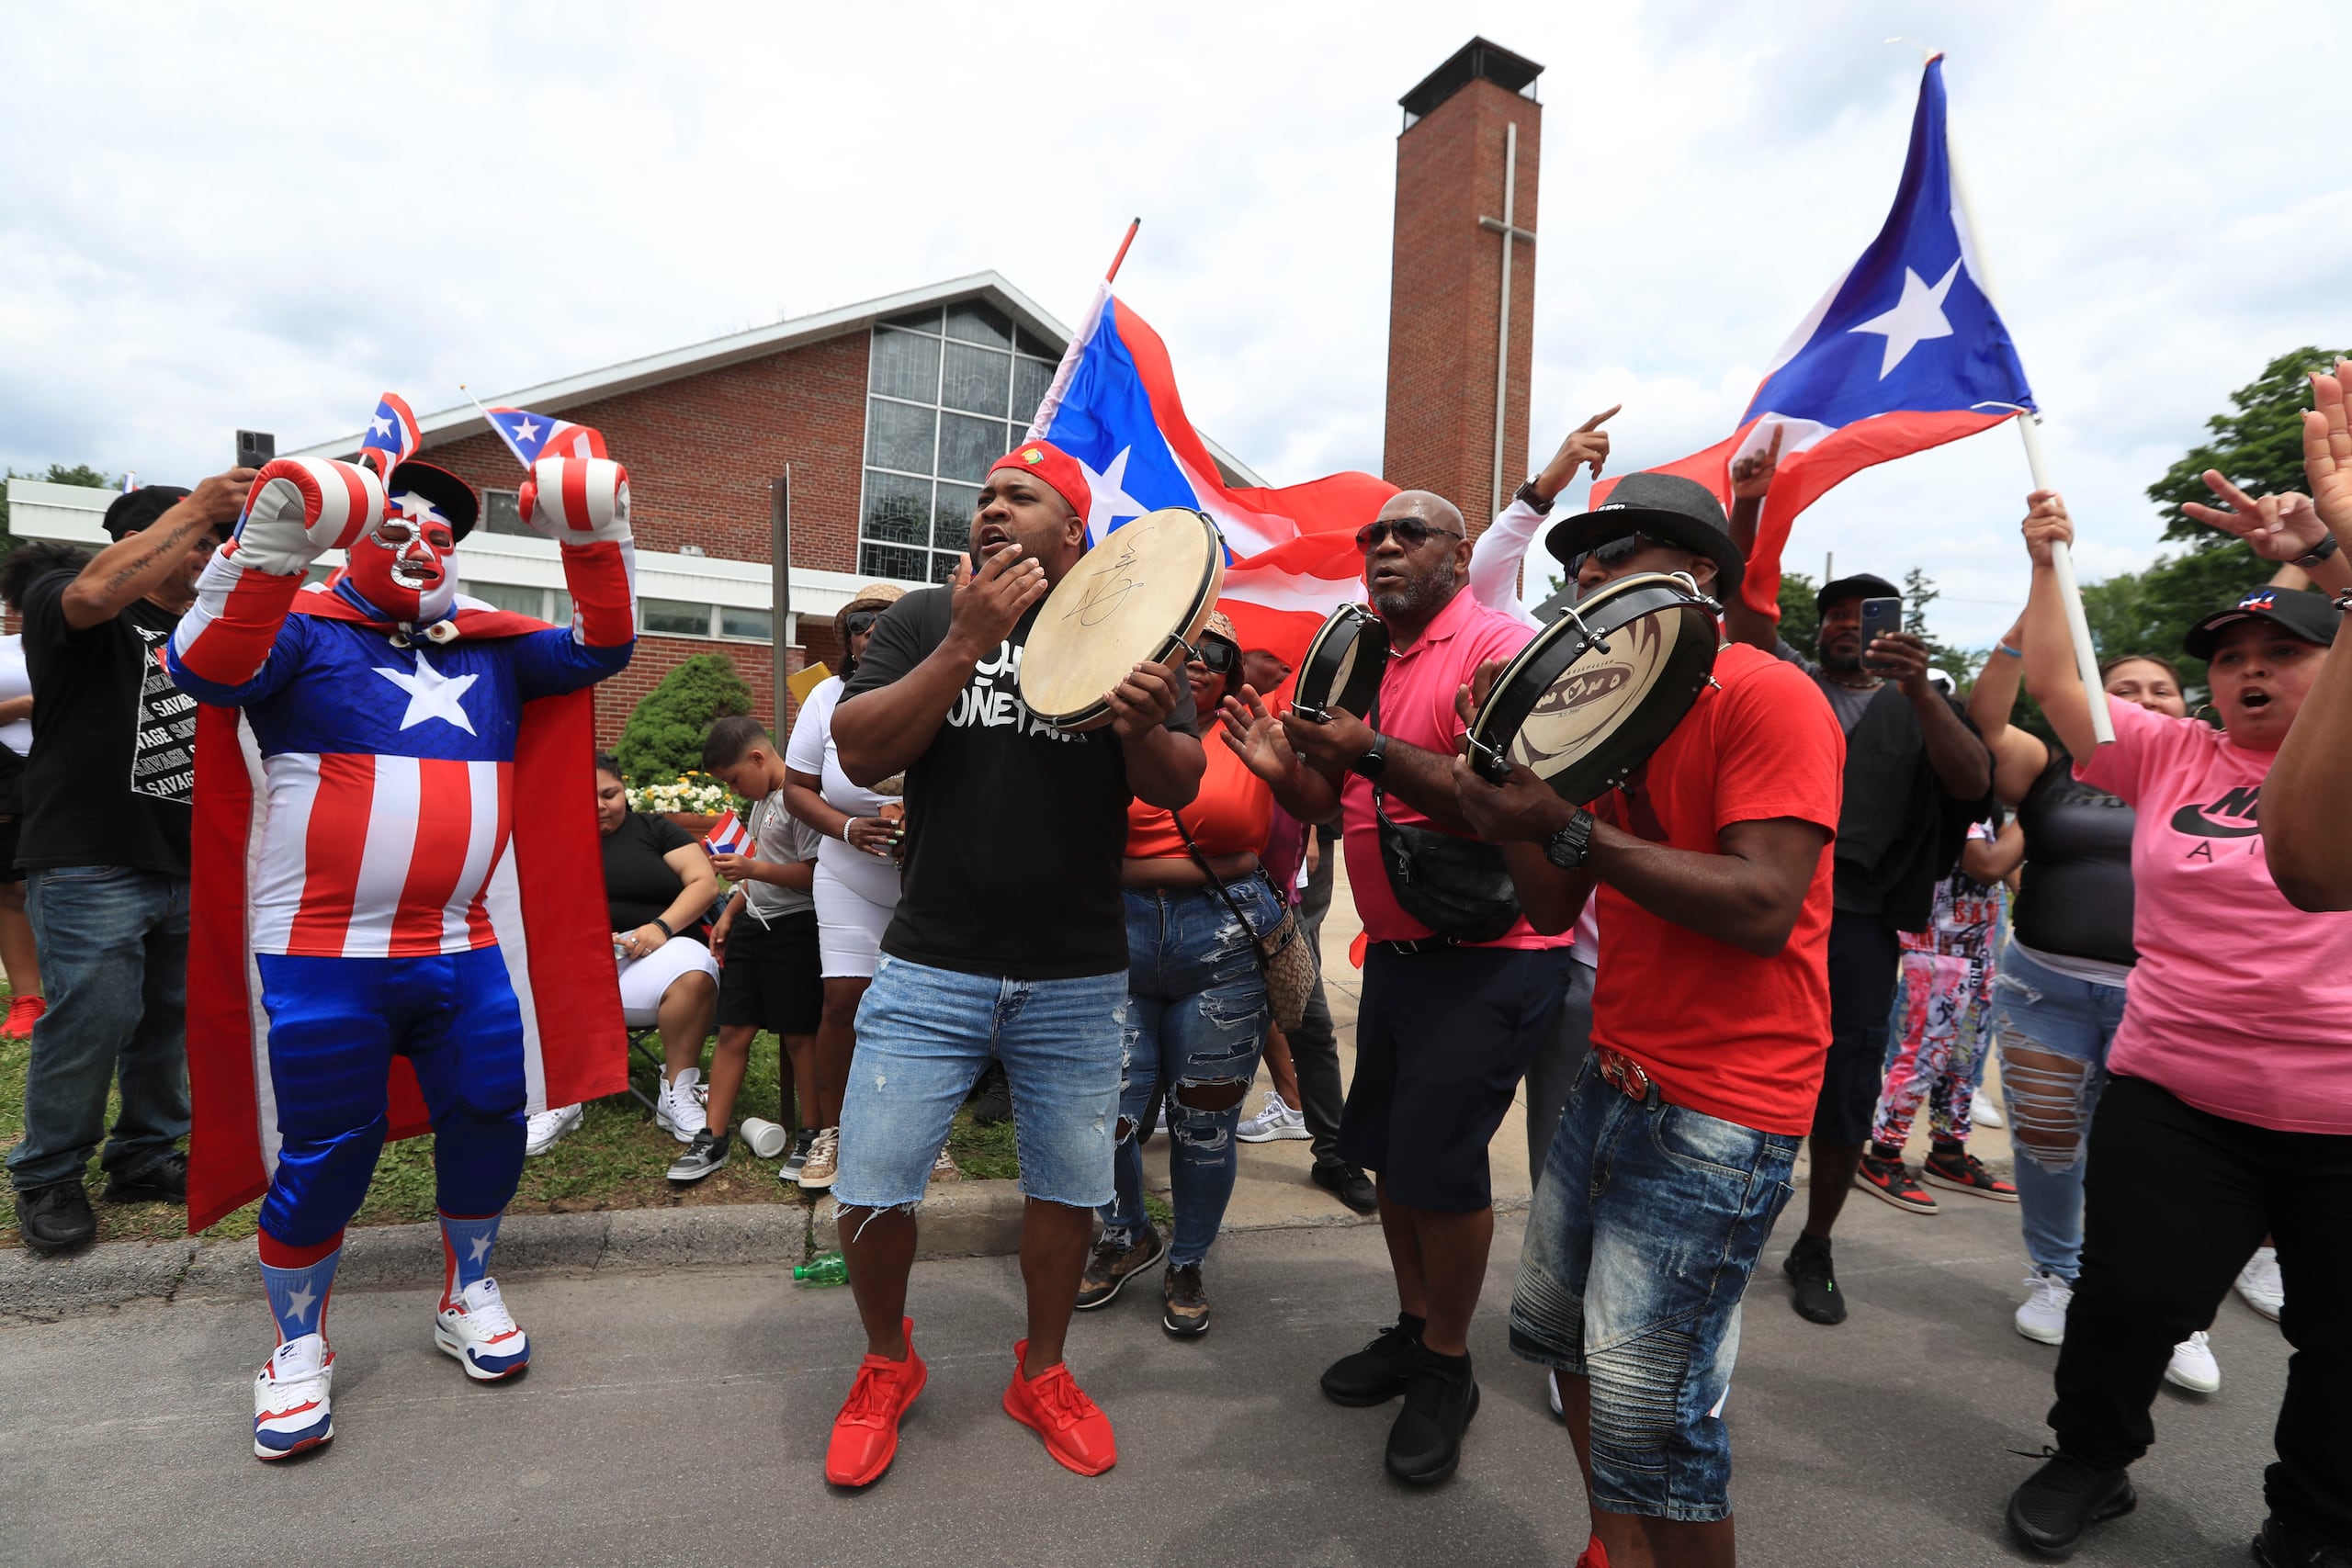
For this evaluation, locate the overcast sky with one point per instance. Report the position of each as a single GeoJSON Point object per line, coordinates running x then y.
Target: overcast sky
{"type": "Point", "coordinates": [212, 217]}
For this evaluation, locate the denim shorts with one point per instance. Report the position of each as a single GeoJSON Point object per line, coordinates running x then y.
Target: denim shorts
{"type": "Point", "coordinates": [923, 1037]}
{"type": "Point", "coordinates": [1644, 1230]}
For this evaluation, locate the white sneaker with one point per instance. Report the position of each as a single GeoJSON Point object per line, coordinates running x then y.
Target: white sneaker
{"type": "Point", "coordinates": [479, 1330]}
{"type": "Point", "coordinates": [290, 1410]}
{"type": "Point", "coordinates": [2043, 1317]}
{"type": "Point", "coordinates": [1274, 1121]}
{"type": "Point", "coordinates": [1982, 1112]}
{"type": "Point", "coordinates": [2193, 1366]}
{"type": "Point", "coordinates": [1559, 1411]}
{"type": "Point", "coordinates": [2260, 1284]}
{"type": "Point", "coordinates": [679, 1109]}
{"type": "Point", "coordinates": [545, 1127]}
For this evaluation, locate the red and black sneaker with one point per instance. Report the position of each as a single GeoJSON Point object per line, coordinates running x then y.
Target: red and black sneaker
{"type": "Point", "coordinates": [1963, 1172]}
{"type": "Point", "coordinates": [1889, 1180]}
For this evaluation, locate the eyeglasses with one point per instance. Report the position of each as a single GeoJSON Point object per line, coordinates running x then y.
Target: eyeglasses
{"type": "Point", "coordinates": [1215, 655]}
{"type": "Point", "coordinates": [862, 621]}
{"type": "Point", "coordinates": [1411, 533]}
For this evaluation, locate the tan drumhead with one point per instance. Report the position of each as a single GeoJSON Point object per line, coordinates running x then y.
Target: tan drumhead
{"type": "Point", "coordinates": [1592, 697]}
{"type": "Point", "coordinates": [1128, 599]}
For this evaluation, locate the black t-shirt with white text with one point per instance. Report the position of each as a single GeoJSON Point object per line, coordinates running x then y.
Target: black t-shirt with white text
{"type": "Point", "coordinates": [1015, 830]}
{"type": "Point", "coordinates": [113, 766]}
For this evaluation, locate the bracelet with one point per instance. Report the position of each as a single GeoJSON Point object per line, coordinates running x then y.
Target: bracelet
{"type": "Point", "coordinates": [2344, 602]}
{"type": "Point", "coordinates": [662, 925]}
{"type": "Point", "coordinates": [2317, 553]}
{"type": "Point", "coordinates": [2012, 652]}
{"type": "Point", "coordinates": [847, 823]}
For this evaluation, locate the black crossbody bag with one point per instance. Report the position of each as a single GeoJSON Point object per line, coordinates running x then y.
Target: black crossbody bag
{"type": "Point", "coordinates": [1459, 888]}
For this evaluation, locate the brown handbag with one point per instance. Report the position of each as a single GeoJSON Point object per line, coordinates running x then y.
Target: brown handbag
{"type": "Point", "coordinates": [1283, 957]}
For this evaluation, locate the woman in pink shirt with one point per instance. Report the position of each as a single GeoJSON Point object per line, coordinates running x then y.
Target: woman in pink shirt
{"type": "Point", "coordinates": [2228, 1113]}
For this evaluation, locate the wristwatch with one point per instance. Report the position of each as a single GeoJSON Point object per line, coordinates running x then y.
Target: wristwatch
{"type": "Point", "coordinates": [1572, 845]}
{"type": "Point", "coordinates": [2319, 552]}
{"type": "Point", "coordinates": [1535, 500]}
{"type": "Point", "coordinates": [1373, 762]}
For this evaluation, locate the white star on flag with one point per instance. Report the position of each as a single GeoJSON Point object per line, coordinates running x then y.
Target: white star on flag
{"type": "Point", "coordinates": [1919, 314]}
{"type": "Point", "coordinates": [431, 694]}
{"type": "Point", "coordinates": [380, 425]}
{"type": "Point", "coordinates": [297, 1303]}
{"type": "Point", "coordinates": [1111, 501]}
{"type": "Point", "coordinates": [524, 430]}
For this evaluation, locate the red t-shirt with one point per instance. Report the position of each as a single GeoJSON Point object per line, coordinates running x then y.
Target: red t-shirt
{"type": "Point", "coordinates": [1721, 1030]}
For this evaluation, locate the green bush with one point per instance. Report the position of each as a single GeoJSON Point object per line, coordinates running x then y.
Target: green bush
{"type": "Point", "coordinates": [663, 735]}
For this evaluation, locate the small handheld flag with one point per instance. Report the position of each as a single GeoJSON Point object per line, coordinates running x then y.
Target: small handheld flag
{"type": "Point", "coordinates": [392, 435]}
{"type": "Point", "coordinates": [728, 836]}
{"type": "Point", "coordinates": [531, 437]}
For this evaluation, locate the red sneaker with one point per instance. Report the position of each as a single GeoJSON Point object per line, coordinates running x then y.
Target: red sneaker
{"type": "Point", "coordinates": [1075, 1431]}
{"type": "Point", "coordinates": [866, 1434]}
{"type": "Point", "coordinates": [23, 1012]}
{"type": "Point", "coordinates": [1957, 1171]}
{"type": "Point", "coordinates": [1891, 1179]}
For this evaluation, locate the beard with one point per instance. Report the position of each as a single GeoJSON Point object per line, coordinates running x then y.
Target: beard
{"type": "Point", "coordinates": [1421, 598]}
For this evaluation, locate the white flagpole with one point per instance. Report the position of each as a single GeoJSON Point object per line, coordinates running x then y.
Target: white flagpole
{"type": "Point", "coordinates": [497, 429]}
{"type": "Point", "coordinates": [2062, 559]}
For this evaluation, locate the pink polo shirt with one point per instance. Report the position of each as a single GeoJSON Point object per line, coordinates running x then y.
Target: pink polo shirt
{"type": "Point", "coordinates": [1417, 707]}
{"type": "Point", "coordinates": [2241, 1003]}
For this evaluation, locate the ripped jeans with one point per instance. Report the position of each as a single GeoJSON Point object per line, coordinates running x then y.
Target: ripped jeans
{"type": "Point", "coordinates": [2052, 1031]}
{"type": "Point", "coordinates": [1196, 1021]}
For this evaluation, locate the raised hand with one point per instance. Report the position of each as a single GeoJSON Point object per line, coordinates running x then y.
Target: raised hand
{"type": "Point", "coordinates": [1256, 736]}
{"type": "Point", "coordinates": [1751, 477]}
{"type": "Point", "coordinates": [297, 509]}
{"type": "Point", "coordinates": [1331, 745]}
{"type": "Point", "coordinates": [2327, 451]}
{"type": "Point", "coordinates": [1587, 446]}
{"type": "Point", "coordinates": [577, 501]}
{"type": "Point", "coordinates": [990, 602]}
{"type": "Point", "coordinates": [2276, 527]}
{"type": "Point", "coordinates": [2046, 523]}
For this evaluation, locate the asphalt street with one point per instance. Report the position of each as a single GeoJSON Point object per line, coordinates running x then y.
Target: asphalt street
{"type": "Point", "coordinates": [681, 1417]}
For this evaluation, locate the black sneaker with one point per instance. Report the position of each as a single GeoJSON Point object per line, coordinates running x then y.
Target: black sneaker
{"type": "Point", "coordinates": [707, 1153]}
{"type": "Point", "coordinates": [1440, 1398]}
{"type": "Point", "coordinates": [1349, 1185]}
{"type": "Point", "coordinates": [1185, 1305]}
{"type": "Point", "coordinates": [797, 1156]}
{"type": "Point", "coordinates": [991, 1098]}
{"type": "Point", "coordinates": [1115, 1262]}
{"type": "Point", "coordinates": [1378, 1372]}
{"type": "Point", "coordinates": [2280, 1545]}
{"type": "Point", "coordinates": [166, 1181]}
{"type": "Point", "coordinates": [56, 1216]}
{"type": "Point", "coordinates": [2050, 1511]}
{"type": "Point", "coordinates": [1816, 1299]}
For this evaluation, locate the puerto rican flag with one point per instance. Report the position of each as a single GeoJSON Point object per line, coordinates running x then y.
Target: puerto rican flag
{"type": "Point", "coordinates": [1291, 552]}
{"type": "Point", "coordinates": [1905, 352]}
{"type": "Point", "coordinates": [392, 435]}
{"type": "Point", "coordinates": [728, 836]}
{"type": "Point", "coordinates": [531, 437]}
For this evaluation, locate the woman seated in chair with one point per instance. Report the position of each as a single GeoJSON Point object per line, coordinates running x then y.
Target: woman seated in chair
{"type": "Point", "coordinates": [659, 885]}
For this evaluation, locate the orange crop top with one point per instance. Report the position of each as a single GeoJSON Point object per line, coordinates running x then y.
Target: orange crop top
{"type": "Point", "coordinates": [1233, 813]}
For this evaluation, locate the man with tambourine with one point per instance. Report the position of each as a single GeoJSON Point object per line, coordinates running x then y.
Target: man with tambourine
{"type": "Point", "coordinates": [1459, 990]}
{"type": "Point", "coordinates": [1009, 939]}
{"type": "Point", "coordinates": [1711, 1016]}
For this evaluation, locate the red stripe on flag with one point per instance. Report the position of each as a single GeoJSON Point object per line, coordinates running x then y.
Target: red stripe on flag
{"type": "Point", "coordinates": [331, 852]}
{"type": "Point", "coordinates": [444, 822]}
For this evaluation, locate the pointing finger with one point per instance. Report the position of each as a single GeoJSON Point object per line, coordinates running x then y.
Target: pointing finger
{"type": "Point", "coordinates": [1774, 453]}
{"type": "Point", "coordinates": [1595, 422]}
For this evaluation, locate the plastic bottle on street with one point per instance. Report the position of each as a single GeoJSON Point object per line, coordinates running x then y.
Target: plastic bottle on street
{"type": "Point", "coordinates": [825, 1269]}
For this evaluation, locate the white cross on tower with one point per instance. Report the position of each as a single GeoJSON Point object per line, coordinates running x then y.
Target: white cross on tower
{"type": "Point", "coordinates": [1512, 234]}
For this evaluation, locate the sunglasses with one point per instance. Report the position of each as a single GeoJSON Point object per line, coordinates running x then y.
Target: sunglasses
{"type": "Point", "coordinates": [1215, 655]}
{"type": "Point", "coordinates": [1617, 552]}
{"type": "Point", "coordinates": [862, 621]}
{"type": "Point", "coordinates": [1411, 533]}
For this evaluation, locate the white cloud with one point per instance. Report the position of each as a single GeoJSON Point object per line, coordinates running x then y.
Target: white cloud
{"type": "Point", "coordinates": [264, 217]}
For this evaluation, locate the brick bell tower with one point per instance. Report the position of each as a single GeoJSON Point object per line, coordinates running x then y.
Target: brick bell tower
{"type": "Point", "coordinates": [1462, 289]}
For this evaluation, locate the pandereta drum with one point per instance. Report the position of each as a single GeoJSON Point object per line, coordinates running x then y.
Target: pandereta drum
{"type": "Point", "coordinates": [1341, 668]}
{"type": "Point", "coordinates": [1141, 596]}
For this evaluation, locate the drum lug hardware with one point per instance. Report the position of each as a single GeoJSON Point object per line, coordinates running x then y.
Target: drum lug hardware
{"type": "Point", "coordinates": [1592, 638]}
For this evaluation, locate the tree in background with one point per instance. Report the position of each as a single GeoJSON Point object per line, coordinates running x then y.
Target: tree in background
{"type": "Point", "coordinates": [663, 738]}
{"type": "Point", "coordinates": [59, 474]}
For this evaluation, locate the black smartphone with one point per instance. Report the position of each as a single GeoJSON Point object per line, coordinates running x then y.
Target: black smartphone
{"type": "Point", "coordinates": [1881, 618]}
{"type": "Point", "coordinates": [256, 447]}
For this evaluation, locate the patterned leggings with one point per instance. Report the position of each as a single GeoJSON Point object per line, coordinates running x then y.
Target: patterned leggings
{"type": "Point", "coordinates": [1942, 1032]}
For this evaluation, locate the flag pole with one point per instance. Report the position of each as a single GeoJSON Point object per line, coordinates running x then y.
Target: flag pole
{"type": "Point", "coordinates": [2062, 559]}
{"type": "Point", "coordinates": [495, 429]}
{"type": "Point", "coordinates": [1111, 275]}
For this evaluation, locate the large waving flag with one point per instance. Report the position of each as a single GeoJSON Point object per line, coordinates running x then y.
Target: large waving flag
{"type": "Point", "coordinates": [1905, 352]}
{"type": "Point", "coordinates": [1291, 552]}
{"type": "Point", "coordinates": [531, 437]}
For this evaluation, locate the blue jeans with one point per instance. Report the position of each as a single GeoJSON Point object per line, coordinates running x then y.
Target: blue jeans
{"type": "Point", "coordinates": [2053, 1032]}
{"type": "Point", "coordinates": [113, 944]}
{"type": "Point", "coordinates": [1644, 1230]}
{"type": "Point", "coordinates": [1196, 1021]}
{"type": "Point", "coordinates": [923, 1035]}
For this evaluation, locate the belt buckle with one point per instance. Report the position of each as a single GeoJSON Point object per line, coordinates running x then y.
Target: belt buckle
{"type": "Point", "coordinates": [1622, 1074]}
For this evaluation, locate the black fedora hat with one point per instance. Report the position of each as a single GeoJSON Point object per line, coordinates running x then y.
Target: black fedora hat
{"type": "Point", "coordinates": [2311, 616]}
{"type": "Point", "coordinates": [1668, 507]}
{"type": "Point", "coordinates": [449, 495]}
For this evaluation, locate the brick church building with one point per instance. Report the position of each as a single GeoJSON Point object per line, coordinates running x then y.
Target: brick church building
{"type": "Point", "coordinates": [887, 414]}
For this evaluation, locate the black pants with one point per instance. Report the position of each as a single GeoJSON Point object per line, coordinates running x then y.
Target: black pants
{"type": "Point", "coordinates": [1313, 1046]}
{"type": "Point", "coordinates": [2174, 1202]}
{"type": "Point", "coordinates": [1865, 960]}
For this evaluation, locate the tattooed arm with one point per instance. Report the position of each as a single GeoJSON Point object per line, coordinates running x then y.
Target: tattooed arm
{"type": "Point", "coordinates": [139, 564]}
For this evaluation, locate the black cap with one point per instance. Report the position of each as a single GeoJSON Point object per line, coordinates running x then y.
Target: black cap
{"type": "Point", "coordinates": [2311, 616]}
{"type": "Point", "coordinates": [133, 510]}
{"type": "Point", "coordinates": [450, 496]}
{"type": "Point", "coordinates": [1664, 506]}
{"type": "Point", "coordinates": [1861, 585]}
